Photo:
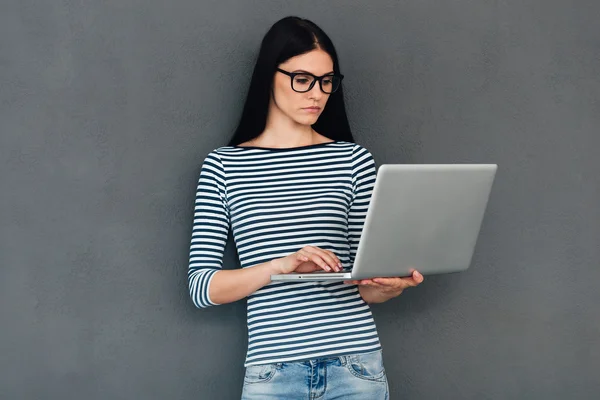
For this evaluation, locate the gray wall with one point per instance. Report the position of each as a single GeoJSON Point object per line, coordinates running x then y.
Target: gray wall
{"type": "Point", "coordinates": [107, 110]}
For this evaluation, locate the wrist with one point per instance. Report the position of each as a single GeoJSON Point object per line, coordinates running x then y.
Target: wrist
{"type": "Point", "coordinates": [274, 266]}
{"type": "Point", "coordinates": [372, 295]}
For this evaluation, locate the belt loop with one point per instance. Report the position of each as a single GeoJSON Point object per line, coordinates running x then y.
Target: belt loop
{"type": "Point", "coordinates": [344, 360]}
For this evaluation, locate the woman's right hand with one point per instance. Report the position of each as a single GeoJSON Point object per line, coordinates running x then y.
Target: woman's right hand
{"type": "Point", "coordinates": [308, 259]}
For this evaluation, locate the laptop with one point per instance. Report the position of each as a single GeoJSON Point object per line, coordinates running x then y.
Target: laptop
{"type": "Point", "coordinates": [423, 217]}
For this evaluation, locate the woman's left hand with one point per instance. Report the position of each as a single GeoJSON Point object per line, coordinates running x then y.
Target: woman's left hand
{"type": "Point", "coordinates": [389, 287]}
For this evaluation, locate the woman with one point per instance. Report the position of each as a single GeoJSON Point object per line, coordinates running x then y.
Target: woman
{"type": "Point", "coordinates": [294, 188]}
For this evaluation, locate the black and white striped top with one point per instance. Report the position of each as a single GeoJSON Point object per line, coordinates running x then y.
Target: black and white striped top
{"type": "Point", "coordinates": [277, 201]}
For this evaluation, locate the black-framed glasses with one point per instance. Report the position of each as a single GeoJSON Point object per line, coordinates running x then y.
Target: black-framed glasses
{"type": "Point", "coordinates": [303, 82]}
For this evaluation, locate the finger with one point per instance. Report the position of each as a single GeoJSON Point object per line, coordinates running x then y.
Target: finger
{"type": "Point", "coordinates": [412, 281]}
{"type": "Point", "coordinates": [370, 282]}
{"type": "Point", "coordinates": [300, 256]}
{"type": "Point", "coordinates": [387, 281]}
{"type": "Point", "coordinates": [336, 258]}
{"type": "Point", "coordinates": [360, 282]}
{"type": "Point", "coordinates": [418, 277]}
{"type": "Point", "coordinates": [408, 282]}
{"type": "Point", "coordinates": [324, 256]}
{"type": "Point", "coordinates": [391, 283]}
{"type": "Point", "coordinates": [397, 283]}
{"type": "Point", "coordinates": [379, 287]}
{"type": "Point", "coordinates": [331, 259]}
{"type": "Point", "coordinates": [315, 259]}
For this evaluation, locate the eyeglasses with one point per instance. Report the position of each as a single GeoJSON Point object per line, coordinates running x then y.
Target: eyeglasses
{"type": "Point", "coordinates": [303, 82]}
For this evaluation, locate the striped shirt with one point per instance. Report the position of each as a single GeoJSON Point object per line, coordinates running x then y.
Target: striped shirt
{"type": "Point", "coordinates": [277, 201]}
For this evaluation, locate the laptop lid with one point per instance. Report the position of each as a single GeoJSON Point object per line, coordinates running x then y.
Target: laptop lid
{"type": "Point", "coordinates": [425, 217]}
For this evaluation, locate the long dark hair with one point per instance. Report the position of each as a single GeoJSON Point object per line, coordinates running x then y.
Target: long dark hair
{"type": "Point", "coordinates": [287, 38]}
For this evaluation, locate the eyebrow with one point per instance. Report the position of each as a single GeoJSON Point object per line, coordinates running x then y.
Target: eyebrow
{"type": "Point", "coordinates": [301, 70]}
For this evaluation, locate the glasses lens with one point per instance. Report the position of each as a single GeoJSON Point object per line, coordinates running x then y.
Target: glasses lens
{"type": "Point", "coordinates": [330, 83]}
{"type": "Point", "coordinates": [301, 83]}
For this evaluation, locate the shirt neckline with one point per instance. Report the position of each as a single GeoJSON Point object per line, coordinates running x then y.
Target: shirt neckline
{"type": "Point", "coordinates": [286, 148]}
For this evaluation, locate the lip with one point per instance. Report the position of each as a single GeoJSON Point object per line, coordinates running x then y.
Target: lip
{"type": "Point", "coordinates": [312, 109]}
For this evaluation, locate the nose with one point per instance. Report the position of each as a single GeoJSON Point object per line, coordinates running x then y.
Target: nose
{"type": "Point", "coordinates": [315, 92]}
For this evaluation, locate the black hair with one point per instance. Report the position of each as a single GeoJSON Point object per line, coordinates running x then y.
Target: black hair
{"type": "Point", "coordinates": [287, 38]}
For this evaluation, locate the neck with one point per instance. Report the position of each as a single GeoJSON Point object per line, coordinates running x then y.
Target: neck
{"type": "Point", "coordinates": [282, 131]}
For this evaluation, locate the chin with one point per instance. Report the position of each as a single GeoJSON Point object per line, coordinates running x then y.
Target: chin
{"type": "Point", "coordinates": [308, 121]}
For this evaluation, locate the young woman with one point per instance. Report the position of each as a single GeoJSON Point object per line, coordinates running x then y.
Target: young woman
{"type": "Point", "coordinates": [294, 188]}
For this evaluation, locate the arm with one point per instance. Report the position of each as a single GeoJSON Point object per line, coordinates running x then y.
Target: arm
{"type": "Point", "coordinates": [228, 286]}
{"type": "Point", "coordinates": [208, 283]}
{"type": "Point", "coordinates": [209, 231]}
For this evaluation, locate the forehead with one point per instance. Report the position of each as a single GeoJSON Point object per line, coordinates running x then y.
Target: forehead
{"type": "Point", "coordinates": [316, 61]}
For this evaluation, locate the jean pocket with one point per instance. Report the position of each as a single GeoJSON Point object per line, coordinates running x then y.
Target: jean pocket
{"type": "Point", "coordinates": [368, 366]}
{"type": "Point", "coordinates": [259, 373]}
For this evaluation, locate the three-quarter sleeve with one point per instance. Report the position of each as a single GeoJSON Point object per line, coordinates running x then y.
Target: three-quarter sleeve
{"type": "Point", "coordinates": [363, 181]}
{"type": "Point", "coordinates": [210, 229]}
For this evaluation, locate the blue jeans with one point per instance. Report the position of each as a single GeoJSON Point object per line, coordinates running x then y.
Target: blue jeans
{"type": "Point", "coordinates": [353, 377]}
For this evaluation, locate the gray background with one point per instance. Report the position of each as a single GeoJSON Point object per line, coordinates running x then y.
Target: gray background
{"type": "Point", "coordinates": [107, 109]}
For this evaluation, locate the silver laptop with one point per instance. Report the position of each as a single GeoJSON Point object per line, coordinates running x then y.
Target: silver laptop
{"type": "Point", "coordinates": [421, 216]}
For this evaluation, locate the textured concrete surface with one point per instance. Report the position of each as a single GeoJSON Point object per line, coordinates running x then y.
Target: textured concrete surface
{"type": "Point", "coordinates": [108, 108]}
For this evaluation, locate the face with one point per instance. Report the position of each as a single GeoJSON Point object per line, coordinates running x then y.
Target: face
{"type": "Point", "coordinates": [299, 106]}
